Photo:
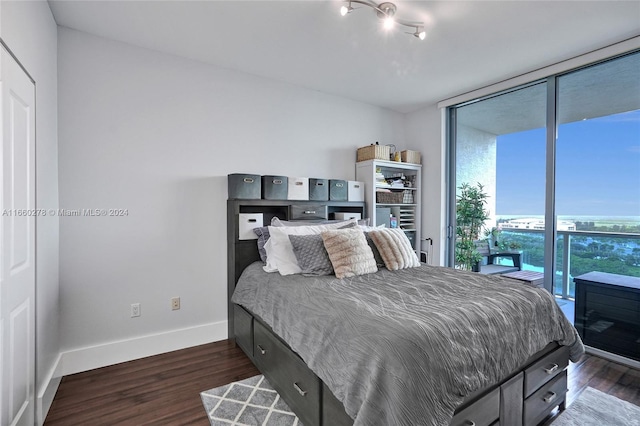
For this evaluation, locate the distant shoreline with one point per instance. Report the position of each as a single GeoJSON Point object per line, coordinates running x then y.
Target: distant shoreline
{"type": "Point", "coordinates": [574, 218]}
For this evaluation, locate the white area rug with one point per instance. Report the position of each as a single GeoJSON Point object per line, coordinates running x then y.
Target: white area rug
{"type": "Point", "coordinates": [250, 402]}
{"type": "Point", "coordinates": [595, 408]}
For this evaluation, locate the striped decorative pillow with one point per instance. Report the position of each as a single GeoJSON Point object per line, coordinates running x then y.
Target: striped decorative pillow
{"type": "Point", "coordinates": [349, 252]}
{"type": "Point", "coordinates": [395, 248]}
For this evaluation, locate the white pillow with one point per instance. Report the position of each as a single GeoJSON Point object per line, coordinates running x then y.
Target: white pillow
{"type": "Point", "coordinates": [367, 228]}
{"type": "Point", "coordinates": [270, 263]}
{"type": "Point", "coordinates": [280, 255]}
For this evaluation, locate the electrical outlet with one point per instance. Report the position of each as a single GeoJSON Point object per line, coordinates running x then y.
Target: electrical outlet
{"type": "Point", "coordinates": [135, 310]}
{"type": "Point", "coordinates": [175, 303]}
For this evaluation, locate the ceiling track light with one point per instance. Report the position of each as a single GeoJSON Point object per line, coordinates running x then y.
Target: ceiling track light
{"type": "Point", "coordinates": [386, 11]}
{"type": "Point", "coordinates": [346, 9]}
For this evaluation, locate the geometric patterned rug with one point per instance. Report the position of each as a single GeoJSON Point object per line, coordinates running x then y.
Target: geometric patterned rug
{"type": "Point", "coordinates": [253, 402]}
{"type": "Point", "coordinates": [249, 402]}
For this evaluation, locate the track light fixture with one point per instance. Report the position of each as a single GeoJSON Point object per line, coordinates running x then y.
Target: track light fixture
{"type": "Point", "coordinates": [386, 11]}
{"type": "Point", "coordinates": [346, 9]}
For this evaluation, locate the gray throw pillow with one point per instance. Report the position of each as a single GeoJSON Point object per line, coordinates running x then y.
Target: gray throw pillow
{"type": "Point", "coordinates": [263, 237]}
{"type": "Point", "coordinates": [311, 255]}
{"type": "Point", "coordinates": [376, 253]}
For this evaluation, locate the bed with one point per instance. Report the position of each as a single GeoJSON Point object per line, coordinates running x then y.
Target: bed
{"type": "Point", "coordinates": [359, 350]}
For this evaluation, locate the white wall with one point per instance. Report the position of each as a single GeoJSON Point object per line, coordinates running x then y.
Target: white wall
{"type": "Point", "coordinates": [29, 30]}
{"type": "Point", "coordinates": [157, 135]}
{"type": "Point", "coordinates": [476, 162]}
{"type": "Point", "coordinates": [424, 131]}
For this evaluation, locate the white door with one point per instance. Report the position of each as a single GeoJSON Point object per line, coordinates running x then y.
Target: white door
{"type": "Point", "coordinates": [17, 244]}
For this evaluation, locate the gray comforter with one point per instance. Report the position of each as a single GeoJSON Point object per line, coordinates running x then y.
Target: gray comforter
{"type": "Point", "coordinates": [405, 347]}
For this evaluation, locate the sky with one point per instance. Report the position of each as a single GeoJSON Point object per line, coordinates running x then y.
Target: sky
{"type": "Point", "coordinates": [597, 172]}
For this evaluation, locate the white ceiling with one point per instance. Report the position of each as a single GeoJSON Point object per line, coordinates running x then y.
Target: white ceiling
{"type": "Point", "coordinates": [612, 87]}
{"type": "Point", "coordinates": [469, 44]}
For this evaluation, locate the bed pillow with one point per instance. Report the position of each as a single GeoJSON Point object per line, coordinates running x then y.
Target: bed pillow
{"type": "Point", "coordinates": [374, 249]}
{"type": "Point", "coordinates": [349, 252]}
{"type": "Point", "coordinates": [263, 231]}
{"type": "Point", "coordinates": [311, 254]}
{"type": "Point", "coordinates": [280, 256]}
{"type": "Point", "coordinates": [263, 236]}
{"type": "Point", "coordinates": [395, 248]}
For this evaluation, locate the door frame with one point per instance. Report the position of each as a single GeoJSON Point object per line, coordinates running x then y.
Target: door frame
{"type": "Point", "coordinates": [34, 316]}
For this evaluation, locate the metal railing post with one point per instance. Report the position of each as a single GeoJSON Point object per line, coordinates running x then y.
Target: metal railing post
{"type": "Point", "coordinates": [566, 264]}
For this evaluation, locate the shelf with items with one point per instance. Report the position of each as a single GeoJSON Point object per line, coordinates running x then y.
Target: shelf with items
{"type": "Point", "coordinates": [399, 198]}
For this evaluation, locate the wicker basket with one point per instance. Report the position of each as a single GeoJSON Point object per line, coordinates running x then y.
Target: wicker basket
{"type": "Point", "coordinates": [410, 156]}
{"type": "Point", "coordinates": [390, 197]}
{"type": "Point", "coordinates": [373, 152]}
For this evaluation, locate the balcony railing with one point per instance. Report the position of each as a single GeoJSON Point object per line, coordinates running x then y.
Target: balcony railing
{"type": "Point", "coordinates": [579, 252]}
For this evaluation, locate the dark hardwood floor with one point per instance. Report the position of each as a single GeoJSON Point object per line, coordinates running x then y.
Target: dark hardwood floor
{"type": "Point", "coordinates": [606, 376]}
{"type": "Point", "coordinates": [159, 390]}
{"type": "Point", "coordinates": [165, 389]}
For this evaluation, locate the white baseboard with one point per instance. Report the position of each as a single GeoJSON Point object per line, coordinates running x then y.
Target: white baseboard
{"type": "Point", "coordinates": [47, 392]}
{"type": "Point", "coordinates": [88, 358]}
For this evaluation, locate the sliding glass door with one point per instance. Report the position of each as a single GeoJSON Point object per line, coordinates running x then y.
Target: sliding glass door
{"type": "Point", "coordinates": [597, 185]}
{"type": "Point", "coordinates": [500, 144]}
{"type": "Point", "coordinates": [569, 199]}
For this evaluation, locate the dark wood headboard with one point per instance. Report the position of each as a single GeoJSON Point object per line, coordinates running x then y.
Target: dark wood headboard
{"type": "Point", "coordinates": [241, 253]}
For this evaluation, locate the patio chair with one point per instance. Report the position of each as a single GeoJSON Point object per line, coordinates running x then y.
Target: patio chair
{"type": "Point", "coordinates": [492, 257]}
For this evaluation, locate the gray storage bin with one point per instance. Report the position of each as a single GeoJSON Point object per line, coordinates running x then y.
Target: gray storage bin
{"type": "Point", "coordinates": [275, 187]}
{"type": "Point", "coordinates": [318, 189]}
{"type": "Point", "coordinates": [338, 190]}
{"type": "Point", "coordinates": [382, 216]}
{"type": "Point", "coordinates": [243, 186]}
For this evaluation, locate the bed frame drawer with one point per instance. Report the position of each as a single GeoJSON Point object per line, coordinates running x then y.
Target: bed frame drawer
{"type": "Point", "coordinates": [546, 369]}
{"type": "Point", "coordinates": [243, 329]}
{"type": "Point", "coordinates": [288, 374]}
{"type": "Point", "coordinates": [483, 412]}
{"type": "Point", "coordinates": [544, 400]}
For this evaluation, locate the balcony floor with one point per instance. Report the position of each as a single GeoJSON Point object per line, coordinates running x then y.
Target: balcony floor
{"type": "Point", "coordinates": [567, 306]}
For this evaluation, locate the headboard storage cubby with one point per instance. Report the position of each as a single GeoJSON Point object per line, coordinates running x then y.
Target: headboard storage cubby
{"type": "Point", "coordinates": [241, 253]}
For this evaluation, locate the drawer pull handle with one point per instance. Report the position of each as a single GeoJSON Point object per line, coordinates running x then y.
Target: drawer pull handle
{"type": "Point", "coordinates": [469, 423]}
{"type": "Point", "coordinates": [549, 397]}
{"type": "Point", "coordinates": [552, 369]}
{"type": "Point", "coordinates": [247, 180]}
{"type": "Point", "coordinates": [262, 350]}
{"type": "Point", "coordinates": [309, 212]}
{"type": "Point", "coordinates": [277, 181]}
{"type": "Point", "coordinates": [339, 185]}
{"type": "Point", "coordinates": [299, 183]}
{"type": "Point", "coordinates": [299, 389]}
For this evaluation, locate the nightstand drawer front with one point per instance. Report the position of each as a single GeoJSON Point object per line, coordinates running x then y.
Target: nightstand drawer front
{"type": "Point", "coordinates": [483, 412]}
{"type": "Point", "coordinates": [299, 387]}
{"type": "Point", "coordinates": [546, 369]}
{"type": "Point", "coordinates": [544, 400]}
